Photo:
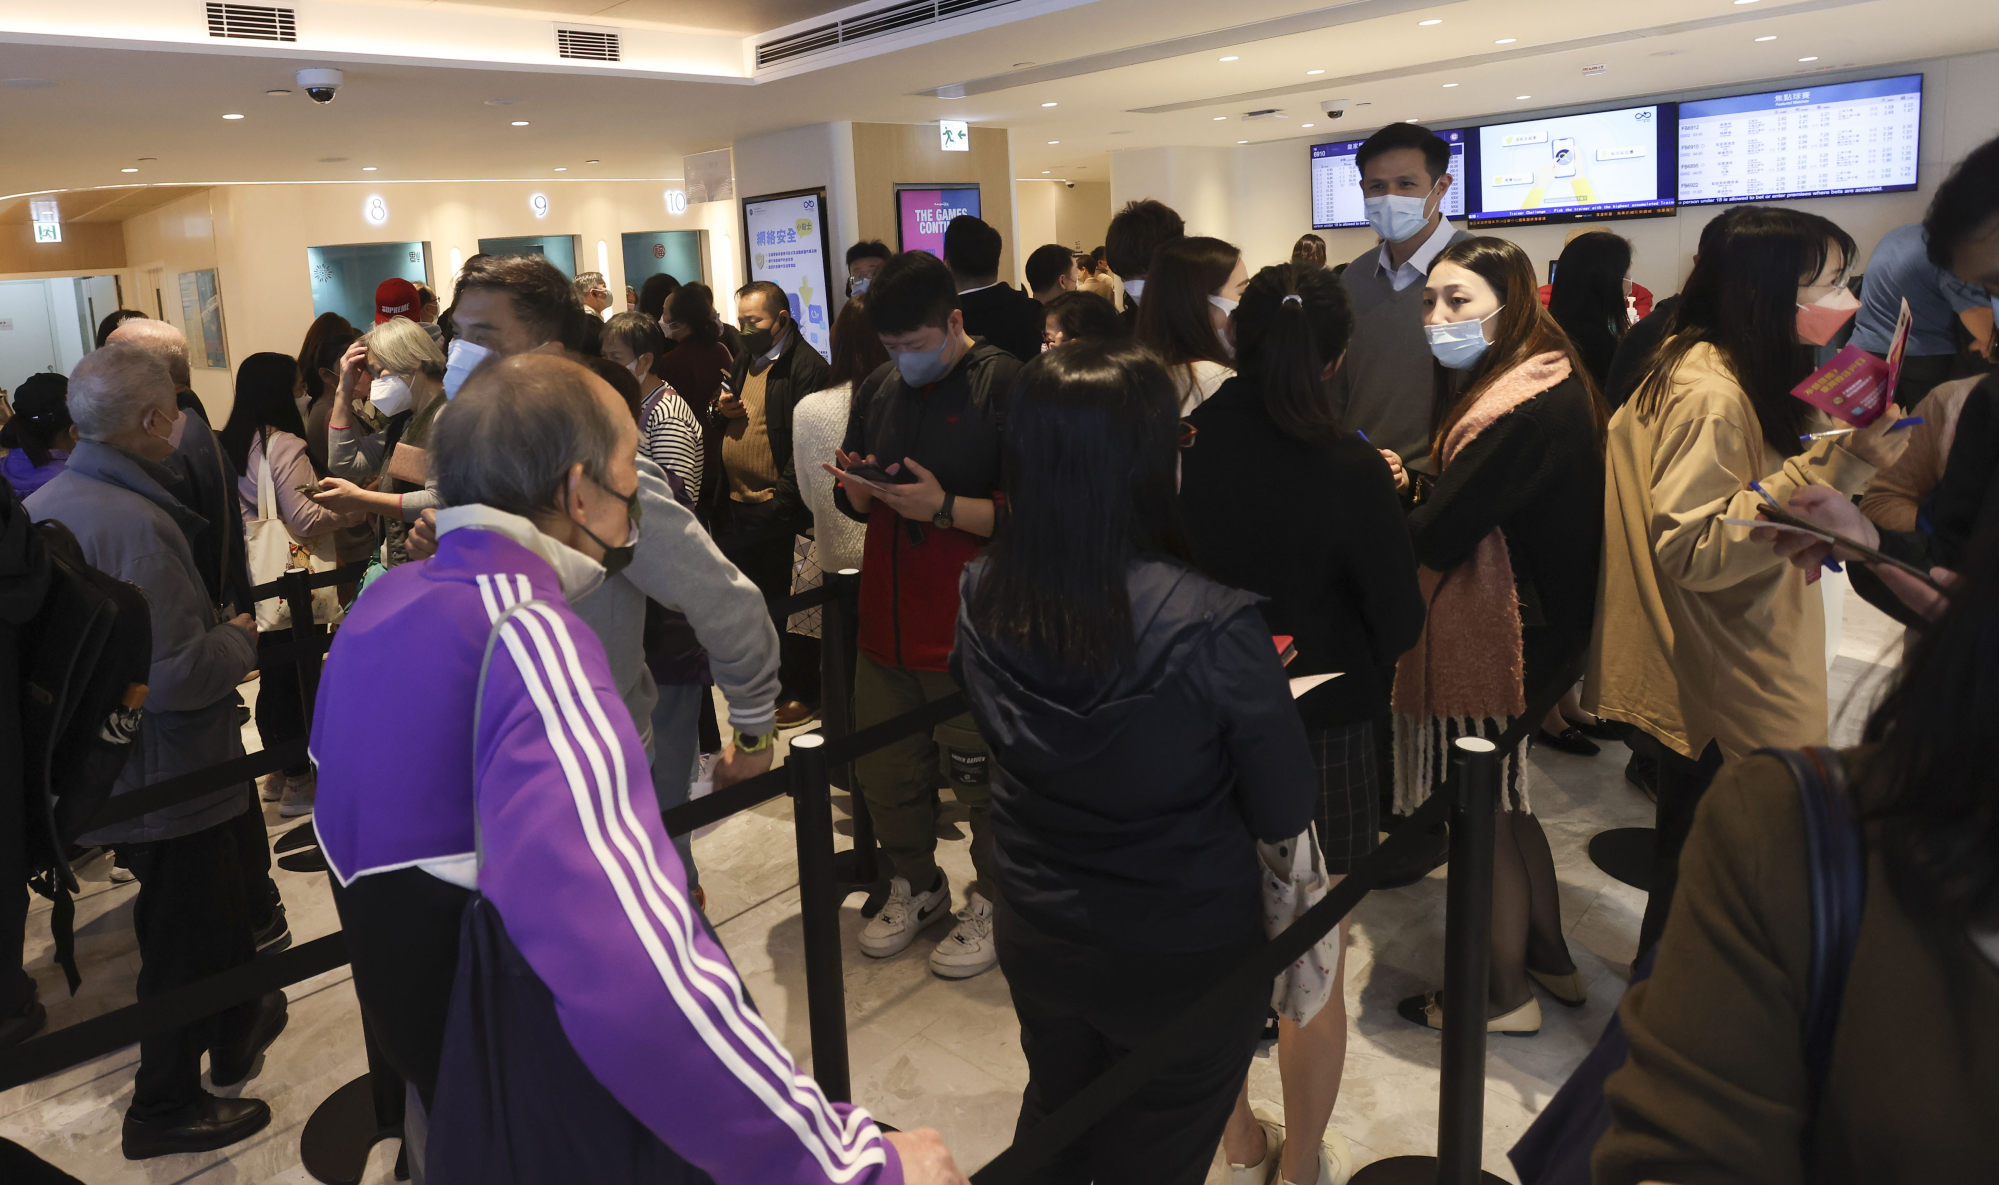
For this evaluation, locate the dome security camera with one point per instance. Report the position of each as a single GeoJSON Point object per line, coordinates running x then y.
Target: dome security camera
{"type": "Point", "coordinates": [1334, 108]}
{"type": "Point", "coordinates": [1069, 184]}
{"type": "Point", "coordinates": [320, 85]}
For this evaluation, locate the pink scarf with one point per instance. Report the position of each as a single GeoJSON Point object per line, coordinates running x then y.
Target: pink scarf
{"type": "Point", "coordinates": [1467, 666]}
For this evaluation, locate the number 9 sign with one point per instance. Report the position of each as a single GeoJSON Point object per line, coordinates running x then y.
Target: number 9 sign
{"type": "Point", "coordinates": [538, 202]}
{"type": "Point", "coordinates": [375, 210]}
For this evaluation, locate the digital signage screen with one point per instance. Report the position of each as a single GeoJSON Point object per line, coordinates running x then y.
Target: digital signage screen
{"type": "Point", "coordinates": [922, 213]}
{"type": "Point", "coordinates": [1336, 195]}
{"type": "Point", "coordinates": [1806, 141]}
{"type": "Point", "coordinates": [784, 235]}
{"type": "Point", "coordinates": [1569, 168]}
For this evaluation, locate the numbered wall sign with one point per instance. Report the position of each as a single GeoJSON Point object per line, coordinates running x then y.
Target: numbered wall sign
{"type": "Point", "coordinates": [375, 210]}
{"type": "Point", "coordinates": [538, 202]}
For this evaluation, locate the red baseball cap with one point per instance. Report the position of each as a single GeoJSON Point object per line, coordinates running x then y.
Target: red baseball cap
{"type": "Point", "coordinates": [396, 297]}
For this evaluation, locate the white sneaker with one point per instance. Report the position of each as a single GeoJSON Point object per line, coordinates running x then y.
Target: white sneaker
{"type": "Point", "coordinates": [274, 787]}
{"type": "Point", "coordinates": [905, 913]}
{"type": "Point", "coordinates": [1264, 1171]}
{"type": "Point", "coordinates": [970, 949]}
{"type": "Point", "coordinates": [299, 793]}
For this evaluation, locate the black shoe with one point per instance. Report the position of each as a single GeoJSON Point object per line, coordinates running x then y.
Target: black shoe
{"type": "Point", "coordinates": [1571, 740]}
{"type": "Point", "coordinates": [23, 1024]}
{"type": "Point", "coordinates": [1431, 854]}
{"type": "Point", "coordinates": [1601, 729]}
{"type": "Point", "coordinates": [209, 1124]}
{"type": "Point", "coordinates": [276, 934]}
{"type": "Point", "coordinates": [242, 711]}
{"type": "Point", "coordinates": [231, 1064]}
{"type": "Point", "coordinates": [1642, 771]}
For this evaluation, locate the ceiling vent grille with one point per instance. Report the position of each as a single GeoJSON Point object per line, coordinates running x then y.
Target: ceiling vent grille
{"type": "Point", "coordinates": [880, 22]}
{"type": "Point", "coordinates": [588, 45]}
{"type": "Point", "coordinates": [251, 22]}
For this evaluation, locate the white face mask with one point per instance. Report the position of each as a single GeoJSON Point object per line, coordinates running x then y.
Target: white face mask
{"type": "Point", "coordinates": [1399, 218]}
{"type": "Point", "coordinates": [1227, 306]}
{"type": "Point", "coordinates": [460, 361]}
{"type": "Point", "coordinates": [390, 395]}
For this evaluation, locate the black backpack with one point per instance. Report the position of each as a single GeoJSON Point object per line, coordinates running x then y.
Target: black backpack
{"type": "Point", "coordinates": [84, 661]}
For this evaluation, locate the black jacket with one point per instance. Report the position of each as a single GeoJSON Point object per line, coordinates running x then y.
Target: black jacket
{"type": "Point", "coordinates": [1537, 473]}
{"type": "Point", "coordinates": [797, 371]}
{"type": "Point", "coordinates": [1627, 366]}
{"type": "Point", "coordinates": [1006, 317]}
{"type": "Point", "coordinates": [1126, 807]}
{"type": "Point", "coordinates": [1319, 530]}
{"type": "Point", "coordinates": [1966, 495]}
{"type": "Point", "coordinates": [206, 484]}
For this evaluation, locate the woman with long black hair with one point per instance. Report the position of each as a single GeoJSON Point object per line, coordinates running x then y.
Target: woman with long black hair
{"type": "Point", "coordinates": [1143, 740]}
{"type": "Point", "coordinates": [1508, 537]}
{"type": "Point", "coordinates": [1704, 640]}
{"type": "Point", "coordinates": [264, 426]}
{"type": "Point", "coordinates": [1589, 298]}
{"type": "Point", "coordinates": [1192, 288]}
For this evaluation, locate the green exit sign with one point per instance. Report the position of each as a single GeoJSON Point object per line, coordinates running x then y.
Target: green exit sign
{"type": "Point", "coordinates": [47, 219]}
{"type": "Point", "coordinates": [48, 232]}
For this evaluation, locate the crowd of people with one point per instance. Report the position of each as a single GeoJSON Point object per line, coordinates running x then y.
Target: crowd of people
{"type": "Point", "coordinates": [1109, 507]}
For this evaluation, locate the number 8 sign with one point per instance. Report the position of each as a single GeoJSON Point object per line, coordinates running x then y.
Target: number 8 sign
{"type": "Point", "coordinates": [375, 210]}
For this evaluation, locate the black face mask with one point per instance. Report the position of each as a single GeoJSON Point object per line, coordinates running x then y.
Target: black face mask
{"type": "Point", "coordinates": [759, 341]}
{"type": "Point", "coordinates": [617, 559]}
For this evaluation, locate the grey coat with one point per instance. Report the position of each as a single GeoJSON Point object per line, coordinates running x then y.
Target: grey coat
{"type": "Point", "coordinates": [132, 527]}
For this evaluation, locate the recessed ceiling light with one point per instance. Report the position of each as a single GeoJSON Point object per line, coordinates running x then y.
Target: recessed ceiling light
{"type": "Point", "coordinates": [232, 115]}
{"type": "Point", "coordinates": [520, 123]}
{"type": "Point", "coordinates": [1768, 37]}
{"type": "Point", "coordinates": [1309, 72]}
{"type": "Point", "coordinates": [1051, 104]}
{"type": "Point", "coordinates": [1435, 20]}
{"type": "Point", "coordinates": [1517, 97]}
{"type": "Point", "coordinates": [1220, 118]}
{"type": "Point", "coordinates": [144, 159]}
{"type": "Point", "coordinates": [1055, 141]}
{"type": "Point", "coordinates": [1742, 2]}
{"type": "Point", "coordinates": [1812, 58]}
{"type": "Point", "coordinates": [128, 170]}
{"type": "Point", "coordinates": [278, 90]}
{"type": "Point", "coordinates": [1233, 58]}
{"type": "Point", "coordinates": [1506, 41]}
{"type": "Point", "coordinates": [562, 168]}
{"type": "Point", "coordinates": [367, 168]}
{"type": "Point", "coordinates": [1242, 141]}
{"type": "Point", "coordinates": [593, 162]}
{"type": "Point", "coordinates": [1307, 125]}
{"type": "Point", "coordinates": [1045, 172]}
{"type": "Point", "coordinates": [1449, 85]}
{"type": "Point", "coordinates": [1414, 119]}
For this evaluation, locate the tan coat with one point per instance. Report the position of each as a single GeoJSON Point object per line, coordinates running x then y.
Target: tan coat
{"type": "Point", "coordinates": [1702, 635]}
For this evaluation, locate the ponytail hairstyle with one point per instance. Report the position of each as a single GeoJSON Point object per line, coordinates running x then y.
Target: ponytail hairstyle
{"type": "Point", "coordinates": [1292, 324]}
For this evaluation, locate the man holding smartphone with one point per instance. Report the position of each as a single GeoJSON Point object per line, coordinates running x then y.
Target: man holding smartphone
{"type": "Point", "coordinates": [921, 466]}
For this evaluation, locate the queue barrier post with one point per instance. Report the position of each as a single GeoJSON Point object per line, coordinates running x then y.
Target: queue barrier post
{"type": "Point", "coordinates": [859, 868]}
{"type": "Point", "coordinates": [819, 915]}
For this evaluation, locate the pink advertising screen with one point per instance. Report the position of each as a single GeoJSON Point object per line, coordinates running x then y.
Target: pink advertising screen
{"type": "Point", "coordinates": [922, 215]}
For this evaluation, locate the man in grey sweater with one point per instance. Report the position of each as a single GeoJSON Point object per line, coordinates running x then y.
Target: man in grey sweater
{"type": "Point", "coordinates": [1386, 386]}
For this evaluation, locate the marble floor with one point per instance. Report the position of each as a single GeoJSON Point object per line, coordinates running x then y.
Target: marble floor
{"type": "Point", "coordinates": [924, 1051]}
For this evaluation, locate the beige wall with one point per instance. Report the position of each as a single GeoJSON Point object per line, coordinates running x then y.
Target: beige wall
{"type": "Point", "coordinates": [257, 235]}
{"type": "Point", "coordinates": [85, 247]}
{"type": "Point", "coordinates": [1052, 212]}
{"type": "Point", "coordinates": [891, 154]}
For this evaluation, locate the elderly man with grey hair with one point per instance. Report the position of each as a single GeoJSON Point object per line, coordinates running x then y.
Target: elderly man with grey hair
{"type": "Point", "coordinates": [595, 293]}
{"type": "Point", "coordinates": [191, 915]}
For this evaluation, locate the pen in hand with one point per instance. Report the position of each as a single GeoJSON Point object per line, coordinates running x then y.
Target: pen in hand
{"type": "Point", "coordinates": [1897, 426]}
{"type": "Point", "coordinates": [1830, 563]}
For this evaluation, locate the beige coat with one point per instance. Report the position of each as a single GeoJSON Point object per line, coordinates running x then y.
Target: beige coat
{"type": "Point", "coordinates": [1702, 635]}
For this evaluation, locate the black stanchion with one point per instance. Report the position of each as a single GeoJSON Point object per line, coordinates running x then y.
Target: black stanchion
{"type": "Point", "coordinates": [1467, 957]}
{"type": "Point", "coordinates": [819, 914]}
{"type": "Point", "coordinates": [859, 868]}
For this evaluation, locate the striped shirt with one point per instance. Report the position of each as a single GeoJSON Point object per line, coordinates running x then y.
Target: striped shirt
{"type": "Point", "coordinates": [672, 438]}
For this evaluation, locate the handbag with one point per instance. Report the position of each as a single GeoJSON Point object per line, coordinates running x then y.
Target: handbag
{"type": "Point", "coordinates": [272, 550]}
{"type": "Point", "coordinates": [1556, 1148]}
{"type": "Point", "coordinates": [1294, 880]}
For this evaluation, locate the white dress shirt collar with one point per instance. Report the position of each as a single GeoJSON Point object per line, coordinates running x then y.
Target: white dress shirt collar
{"type": "Point", "coordinates": [1418, 265]}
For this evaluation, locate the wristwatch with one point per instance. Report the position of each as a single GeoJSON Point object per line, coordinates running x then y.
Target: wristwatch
{"type": "Point", "coordinates": [748, 743]}
{"type": "Point", "coordinates": [942, 518]}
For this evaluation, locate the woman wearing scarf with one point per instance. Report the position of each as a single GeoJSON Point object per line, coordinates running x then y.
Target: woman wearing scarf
{"type": "Point", "coordinates": [1508, 537]}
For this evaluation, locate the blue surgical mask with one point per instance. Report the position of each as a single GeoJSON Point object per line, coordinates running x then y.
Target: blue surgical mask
{"type": "Point", "coordinates": [1460, 344]}
{"type": "Point", "coordinates": [1398, 218]}
{"type": "Point", "coordinates": [920, 368]}
{"type": "Point", "coordinates": [856, 285]}
{"type": "Point", "coordinates": [460, 361]}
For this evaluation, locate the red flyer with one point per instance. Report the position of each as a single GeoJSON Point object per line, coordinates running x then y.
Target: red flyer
{"type": "Point", "coordinates": [1856, 386]}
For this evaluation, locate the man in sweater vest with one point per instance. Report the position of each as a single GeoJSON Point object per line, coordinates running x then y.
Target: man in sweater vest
{"type": "Point", "coordinates": [1386, 387]}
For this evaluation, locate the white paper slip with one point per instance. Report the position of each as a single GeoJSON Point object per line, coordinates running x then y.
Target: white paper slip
{"type": "Point", "coordinates": [1305, 683]}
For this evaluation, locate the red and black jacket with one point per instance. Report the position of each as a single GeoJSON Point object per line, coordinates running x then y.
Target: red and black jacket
{"type": "Point", "coordinates": [909, 570]}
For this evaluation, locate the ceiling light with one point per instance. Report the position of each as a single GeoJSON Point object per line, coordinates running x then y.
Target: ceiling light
{"type": "Point", "coordinates": [1220, 118]}
{"type": "Point", "coordinates": [1742, 2]}
{"type": "Point", "coordinates": [128, 170]}
{"type": "Point", "coordinates": [593, 162]}
{"type": "Point", "coordinates": [1307, 125]}
{"type": "Point", "coordinates": [1045, 172]}
{"type": "Point", "coordinates": [278, 90]}
{"type": "Point", "coordinates": [1768, 37]}
{"type": "Point", "coordinates": [1506, 41]}
{"type": "Point", "coordinates": [232, 116]}
{"type": "Point", "coordinates": [1449, 85]}
{"type": "Point", "coordinates": [1812, 58]}
{"type": "Point", "coordinates": [367, 168]}
{"type": "Point", "coordinates": [1051, 104]}
{"type": "Point", "coordinates": [562, 168]}
{"type": "Point", "coordinates": [1435, 20]}
{"type": "Point", "coordinates": [1242, 141]}
{"type": "Point", "coordinates": [144, 159]}
{"type": "Point", "coordinates": [1233, 58]}
{"type": "Point", "coordinates": [520, 123]}
{"type": "Point", "coordinates": [1055, 141]}
{"type": "Point", "coordinates": [1315, 72]}
{"type": "Point", "coordinates": [1414, 119]}
{"type": "Point", "coordinates": [1518, 97]}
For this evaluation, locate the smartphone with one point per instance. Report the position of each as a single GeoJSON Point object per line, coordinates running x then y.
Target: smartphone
{"type": "Point", "coordinates": [1287, 650]}
{"type": "Point", "coordinates": [1565, 156]}
{"type": "Point", "coordinates": [876, 475]}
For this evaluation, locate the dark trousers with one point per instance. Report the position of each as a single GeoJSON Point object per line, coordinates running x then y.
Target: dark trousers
{"type": "Point", "coordinates": [17, 988]}
{"type": "Point", "coordinates": [1082, 1008]}
{"type": "Point", "coordinates": [280, 706]}
{"type": "Point", "coordinates": [1682, 782]}
{"type": "Point", "coordinates": [18, 1166]}
{"type": "Point", "coordinates": [756, 540]}
{"type": "Point", "coordinates": [253, 862]}
{"type": "Point", "coordinates": [193, 921]}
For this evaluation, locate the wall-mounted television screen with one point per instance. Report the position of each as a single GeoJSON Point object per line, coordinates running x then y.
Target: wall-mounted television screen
{"type": "Point", "coordinates": [1336, 196]}
{"type": "Point", "coordinates": [1570, 168]}
{"type": "Point", "coordinates": [922, 212]}
{"type": "Point", "coordinates": [1807, 141]}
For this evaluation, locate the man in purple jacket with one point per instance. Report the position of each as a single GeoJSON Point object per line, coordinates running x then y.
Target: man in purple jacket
{"type": "Point", "coordinates": [518, 799]}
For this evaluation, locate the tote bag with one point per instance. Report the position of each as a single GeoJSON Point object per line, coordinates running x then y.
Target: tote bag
{"type": "Point", "coordinates": [1294, 880]}
{"type": "Point", "coordinates": [273, 551]}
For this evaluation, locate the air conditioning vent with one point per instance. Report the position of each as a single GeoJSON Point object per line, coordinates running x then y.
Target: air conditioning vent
{"type": "Point", "coordinates": [880, 22]}
{"type": "Point", "coordinates": [589, 45]}
{"type": "Point", "coordinates": [251, 22]}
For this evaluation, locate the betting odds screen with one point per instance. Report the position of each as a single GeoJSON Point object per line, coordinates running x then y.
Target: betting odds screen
{"type": "Point", "coordinates": [1336, 196]}
{"type": "Point", "coordinates": [1818, 141]}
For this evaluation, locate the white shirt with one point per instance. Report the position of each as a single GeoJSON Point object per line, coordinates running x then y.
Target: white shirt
{"type": "Point", "coordinates": [980, 288]}
{"type": "Point", "coordinates": [1418, 265]}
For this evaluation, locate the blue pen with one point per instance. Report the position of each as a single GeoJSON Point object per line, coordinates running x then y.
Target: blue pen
{"type": "Point", "coordinates": [1897, 426]}
{"type": "Point", "coordinates": [1830, 563]}
{"type": "Point", "coordinates": [1363, 436]}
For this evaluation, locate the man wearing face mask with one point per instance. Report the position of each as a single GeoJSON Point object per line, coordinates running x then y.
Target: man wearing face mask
{"type": "Point", "coordinates": [756, 508]}
{"type": "Point", "coordinates": [192, 914]}
{"type": "Point", "coordinates": [921, 466]}
{"type": "Point", "coordinates": [864, 263]}
{"type": "Point", "coordinates": [1939, 304]}
{"type": "Point", "coordinates": [1387, 386]}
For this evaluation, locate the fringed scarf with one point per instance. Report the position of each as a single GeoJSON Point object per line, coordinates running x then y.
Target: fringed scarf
{"type": "Point", "coordinates": [1466, 674]}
